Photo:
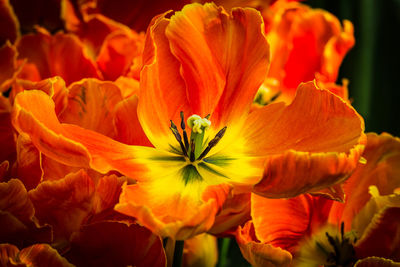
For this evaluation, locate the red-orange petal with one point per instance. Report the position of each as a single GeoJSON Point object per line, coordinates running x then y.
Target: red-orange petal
{"type": "Point", "coordinates": [17, 225]}
{"type": "Point", "coordinates": [124, 244]}
{"type": "Point", "coordinates": [225, 61]}
{"type": "Point", "coordinates": [15, 200]}
{"type": "Point", "coordinates": [7, 252]}
{"type": "Point", "coordinates": [28, 166]}
{"type": "Point", "coordinates": [381, 238]}
{"type": "Point", "coordinates": [9, 67]}
{"type": "Point", "coordinates": [311, 144]}
{"type": "Point", "coordinates": [117, 53]}
{"type": "Point", "coordinates": [91, 105]}
{"type": "Point", "coordinates": [382, 169]}
{"type": "Point", "coordinates": [179, 215]}
{"type": "Point", "coordinates": [284, 222]}
{"type": "Point", "coordinates": [319, 46]}
{"type": "Point", "coordinates": [47, 53]}
{"type": "Point", "coordinates": [258, 253]}
{"type": "Point", "coordinates": [108, 190]}
{"type": "Point", "coordinates": [234, 212]}
{"type": "Point", "coordinates": [127, 124]}
{"type": "Point", "coordinates": [64, 204]}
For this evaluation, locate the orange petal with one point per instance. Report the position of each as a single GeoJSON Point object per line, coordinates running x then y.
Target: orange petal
{"type": "Point", "coordinates": [69, 144]}
{"type": "Point", "coordinates": [311, 144]}
{"type": "Point", "coordinates": [14, 200]}
{"type": "Point", "coordinates": [28, 168]}
{"type": "Point", "coordinates": [125, 245]}
{"type": "Point", "coordinates": [42, 255]}
{"type": "Point", "coordinates": [284, 222]}
{"type": "Point", "coordinates": [127, 124]}
{"type": "Point", "coordinates": [17, 225]}
{"type": "Point", "coordinates": [128, 86]}
{"type": "Point", "coordinates": [47, 53]}
{"type": "Point", "coordinates": [376, 262]}
{"type": "Point", "coordinates": [225, 61]}
{"type": "Point", "coordinates": [162, 89]}
{"type": "Point", "coordinates": [64, 204]}
{"type": "Point", "coordinates": [9, 23]}
{"type": "Point", "coordinates": [258, 253]}
{"type": "Point", "coordinates": [54, 170]}
{"type": "Point", "coordinates": [319, 45]}
{"type": "Point", "coordinates": [9, 67]}
{"type": "Point", "coordinates": [335, 50]}
{"type": "Point", "coordinates": [234, 212]}
{"type": "Point", "coordinates": [93, 31]}
{"type": "Point", "coordinates": [172, 213]}
{"type": "Point", "coordinates": [54, 87]}
{"type": "Point", "coordinates": [91, 105]}
{"type": "Point", "coordinates": [7, 252]}
{"type": "Point", "coordinates": [107, 193]}
{"type": "Point", "coordinates": [381, 236]}
{"type": "Point", "coordinates": [118, 52]}
{"type": "Point", "coordinates": [382, 155]}
{"type": "Point", "coordinates": [334, 192]}
{"type": "Point", "coordinates": [201, 250]}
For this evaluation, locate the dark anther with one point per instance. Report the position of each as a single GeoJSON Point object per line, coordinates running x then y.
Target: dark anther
{"type": "Point", "coordinates": [333, 244]}
{"type": "Point", "coordinates": [178, 137]}
{"type": "Point", "coordinates": [185, 137]}
{"type": "Point", "coordinates": [192, 148]}
{"type": "Point", "coordinates": [342, 230]}
{"type": "Point", "coordinates": [213, 143]}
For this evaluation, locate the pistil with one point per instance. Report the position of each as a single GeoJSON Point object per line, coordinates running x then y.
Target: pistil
{"type": "Point", "coordinates": [193, 149]}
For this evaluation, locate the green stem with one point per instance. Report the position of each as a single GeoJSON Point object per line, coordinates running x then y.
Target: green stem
{"type": "Point", "coordinates": [169, 251]}
{"type": "Point", "coordinates": [174, 252]}
{"type": "Point", "coordinates": [224, 252]}
{"type": "Point", "coordinates": [178, 253]}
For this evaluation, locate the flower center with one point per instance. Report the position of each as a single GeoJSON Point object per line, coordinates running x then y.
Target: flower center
{"type": "Point", "coordinates": [193, 149]}
{"type": "Point", "coordinates": [343, 253]}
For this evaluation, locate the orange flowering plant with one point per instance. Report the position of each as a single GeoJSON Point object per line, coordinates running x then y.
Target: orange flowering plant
{"type": "Point", "coordinates": [117, 139]}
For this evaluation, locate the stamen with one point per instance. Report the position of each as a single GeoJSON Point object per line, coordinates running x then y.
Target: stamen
{"type": "Point", "coordinates": [192, 148]}
{"type": "Point", "coordinates": [213, 143]}
{"type": "Point", "coordinates": [185, 137]}
{"type": "Point", "coordinates": [178, 137]}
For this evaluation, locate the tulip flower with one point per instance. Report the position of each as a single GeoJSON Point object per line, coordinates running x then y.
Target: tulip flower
{"type": "Point", "coordinates": [202, 69]}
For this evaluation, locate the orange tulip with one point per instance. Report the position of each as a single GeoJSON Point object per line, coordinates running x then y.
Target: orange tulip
{"type": "Point", "coordinates": [309, 227]}
{"type": "Point", "coordinates": [306, 44]}
{"type": "Point", "coordinates": [203, 61]}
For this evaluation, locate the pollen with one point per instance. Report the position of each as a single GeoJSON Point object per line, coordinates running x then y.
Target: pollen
{"type": "Point", "coordinates": [198, 124]}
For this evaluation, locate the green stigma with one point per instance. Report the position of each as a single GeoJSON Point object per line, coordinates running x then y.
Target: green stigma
{"type": "Point", "coordinates": [193, 148]}
{"type": "Point", "coordinates": [198, 124]}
